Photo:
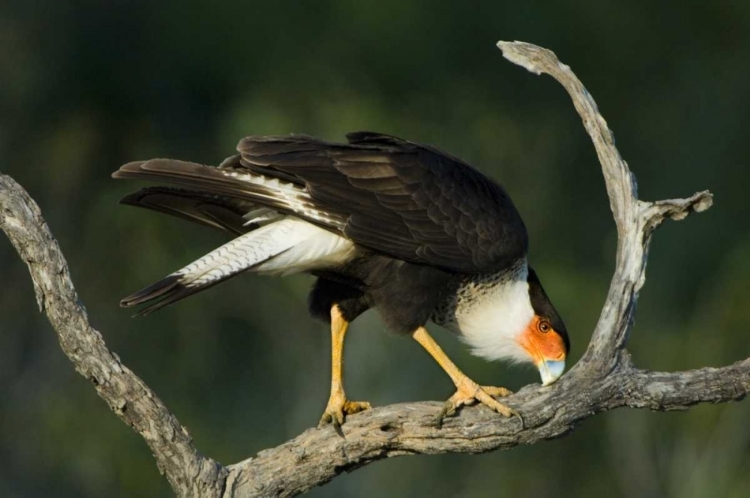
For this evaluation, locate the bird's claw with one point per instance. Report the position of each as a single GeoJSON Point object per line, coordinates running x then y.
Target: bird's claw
{"type": "Point", "coordinates": [338, 408]}
{"type": "Point", "coordinates": [469, 393]}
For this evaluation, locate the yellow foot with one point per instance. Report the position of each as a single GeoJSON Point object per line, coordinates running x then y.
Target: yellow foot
{"type": "Point", "coordinates": [469, 392]}
{"type": "Point", "coordinates": [339, 407]}
{"type": "Point", "coordinates": [499, 392]}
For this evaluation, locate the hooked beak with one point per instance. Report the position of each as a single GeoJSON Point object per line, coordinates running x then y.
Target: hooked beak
{"type": "Point", "coordinates": [551, 370]}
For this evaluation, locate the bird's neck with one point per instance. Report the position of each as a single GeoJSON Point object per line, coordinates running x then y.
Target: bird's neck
{"type": "Point", "coordinates": [493, 312]}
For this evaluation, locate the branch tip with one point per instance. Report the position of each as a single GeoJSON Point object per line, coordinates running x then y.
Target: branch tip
{"type": "Point", "coordinates": [527, 55]}
{"type": "Point", "coordinates": [676, 209]}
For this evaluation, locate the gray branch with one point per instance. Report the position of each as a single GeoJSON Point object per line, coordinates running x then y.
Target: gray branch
{"type": "Point", "coordinates": [603, 379]}
{"type": "Point", "coordinates": [189, 473]}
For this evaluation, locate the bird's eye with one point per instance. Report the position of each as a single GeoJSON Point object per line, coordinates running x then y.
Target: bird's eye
{"type": "Point", "coordinates": [544, 326]}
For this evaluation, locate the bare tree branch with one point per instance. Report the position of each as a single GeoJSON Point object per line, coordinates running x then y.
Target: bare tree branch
{"type": "Point", "coordinates": [127, 395]}
{"type": "Point", "coordinates": [634, 219]}
{"type": "Point", "coordinates": [604, 379]}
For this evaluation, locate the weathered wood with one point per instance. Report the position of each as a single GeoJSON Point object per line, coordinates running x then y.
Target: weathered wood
{"type": "Point", "coordinates": [189, 473]}
{"type": "Point", "coordinates": [604, 379]}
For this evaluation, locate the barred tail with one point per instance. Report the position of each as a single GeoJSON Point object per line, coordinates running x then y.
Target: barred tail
{"type": "Point", "coordinates": [243, 253]}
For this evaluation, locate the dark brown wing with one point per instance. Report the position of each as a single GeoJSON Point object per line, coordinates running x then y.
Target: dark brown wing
{"type": "Point", "coordinates": [399, 198]}
{"type": "Point", "coordinates": [222, 212]}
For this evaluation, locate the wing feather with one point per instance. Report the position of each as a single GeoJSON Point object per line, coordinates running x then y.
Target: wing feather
{"type": "Point", "coordinates": [410, 201]}
{"type": "Point", "coordinates": [224, 213]}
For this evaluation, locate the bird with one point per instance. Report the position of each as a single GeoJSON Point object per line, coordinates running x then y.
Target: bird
{"type": "Point", "coordinates": [382, 223]}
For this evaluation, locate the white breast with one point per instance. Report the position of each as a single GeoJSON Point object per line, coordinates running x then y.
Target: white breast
{"type": "Point", "coordinates": [491, 320]}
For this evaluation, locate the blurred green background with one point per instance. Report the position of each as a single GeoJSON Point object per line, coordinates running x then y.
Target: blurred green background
{"type": "Point", "coordinates": [86, 86]}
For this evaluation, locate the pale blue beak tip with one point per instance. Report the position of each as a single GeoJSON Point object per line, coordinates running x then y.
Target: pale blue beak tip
{"type": "Point", "coordinates": [551, 371]}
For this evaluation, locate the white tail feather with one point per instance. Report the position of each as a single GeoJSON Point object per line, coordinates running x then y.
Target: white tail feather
{"type": "Point", "coordinates": [289, 245]}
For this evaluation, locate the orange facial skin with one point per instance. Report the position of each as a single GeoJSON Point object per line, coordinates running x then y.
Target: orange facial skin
{"type": "Point", "coordinates": [541, 341]}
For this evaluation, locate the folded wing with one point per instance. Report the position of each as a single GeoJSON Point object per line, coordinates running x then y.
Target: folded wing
{"type": "Point", "coordinates": [406, 200]}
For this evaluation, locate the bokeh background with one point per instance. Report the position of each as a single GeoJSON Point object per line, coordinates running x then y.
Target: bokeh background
{"type": "Point", "coordinates": [86, 86]}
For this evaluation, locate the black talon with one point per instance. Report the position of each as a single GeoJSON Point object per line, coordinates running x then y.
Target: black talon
{"type": "Point", "coordinates": [447, 410]}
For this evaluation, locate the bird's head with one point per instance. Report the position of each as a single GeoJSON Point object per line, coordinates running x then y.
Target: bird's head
{"type": "Point", "coordinates": [517, 322]}
{"type": "Point", "coordinates": [544, 338]}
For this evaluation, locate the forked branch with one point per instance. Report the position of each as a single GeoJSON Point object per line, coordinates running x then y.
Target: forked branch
{"type": "Point", "coordinates": [604, 378]}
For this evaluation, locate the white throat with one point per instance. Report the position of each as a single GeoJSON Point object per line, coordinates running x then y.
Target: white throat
{"type": "Point", "coordinates": [496, 317]}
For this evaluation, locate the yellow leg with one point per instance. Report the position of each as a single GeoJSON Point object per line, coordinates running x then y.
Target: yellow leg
{"type": "Point", "coordinates": [338, 406]}
{"type": "Point", "coordinates": [467, 391]}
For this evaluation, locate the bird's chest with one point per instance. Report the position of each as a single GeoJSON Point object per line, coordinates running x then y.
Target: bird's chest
{"type": "Point", "coordinates": [474, 304]}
